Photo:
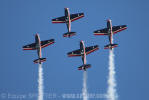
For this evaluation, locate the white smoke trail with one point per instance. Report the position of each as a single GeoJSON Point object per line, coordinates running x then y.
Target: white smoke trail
{"type": "Point", "coordinates": [111, 92]}
{"type": "Point", "coordinates": [84, 90]}
{"type": "Point", "coordinates": [40, 83]}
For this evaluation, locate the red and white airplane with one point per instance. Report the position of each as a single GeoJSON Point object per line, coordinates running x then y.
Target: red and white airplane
{"type": "Point", "coordinates": [68, 18]}
{"type": "Point", "coordinates": [110, 31]}
{"type": "Point", "coordinates": [83, 51]}
{"type": "Point", "coordinates": [37, 46]}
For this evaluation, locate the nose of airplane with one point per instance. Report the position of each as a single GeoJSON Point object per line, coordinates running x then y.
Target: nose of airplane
{"type": "Point", "coordinates": [81, 41]}
{"type": "Point", "coordinates": [66, 8]}
{"type": "Point", "coordinates": [36, 35]}
{"type": "Point", "coordinates": [109, 20]}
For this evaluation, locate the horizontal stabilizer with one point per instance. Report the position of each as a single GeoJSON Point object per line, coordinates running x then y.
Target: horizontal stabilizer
{"type": "Point", "coordinates": [84, 67]}
{"type": "Point", "coordinates": [69, 34]}
{"type": "Point", "coordinates": [110, 46]}
{"type": "Point", "coordinates": [40, 60]}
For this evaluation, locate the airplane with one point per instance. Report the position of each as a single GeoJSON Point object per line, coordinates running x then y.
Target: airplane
{"type": "Point", "coordinates": [68, 18]}
{"type": "Point", "coordinates": [110, 31]}
{"type": "Point", "coordinates": [37, 46]}
{"type": "Point", "coordinates": [83, 51]}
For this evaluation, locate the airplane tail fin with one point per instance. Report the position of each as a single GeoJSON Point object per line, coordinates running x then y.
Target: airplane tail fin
{"type": "Point", "coordinates": [84, 67]}
{"type": "Point", "coordinates": [110, 46]}
{"type": "Point", "coordinates": [69, 34]}
{"type": "Point", "coordinates": [39, 60]}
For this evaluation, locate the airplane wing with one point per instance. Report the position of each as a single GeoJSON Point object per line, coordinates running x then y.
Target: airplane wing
{"type": "Point", "coordinates": [30, 46]}
{"type": "Point", "coordinates": [90, 49]}
{"type": "Point", "coordinates": [59, 20]}
{"type": "Point", "coordinates": [74, 53]}
{"type": "Point", "coordinates": [46, 43]}
{"type": "Point", "coordinates": [101, 32]}
{"type": "Point", "coordinates": [74, 17]}
{"type": "Point", "coordinates": [116, 29]}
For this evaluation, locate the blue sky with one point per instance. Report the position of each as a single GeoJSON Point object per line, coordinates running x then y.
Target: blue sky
{"type": "Point", "coordinates": [21, 19]}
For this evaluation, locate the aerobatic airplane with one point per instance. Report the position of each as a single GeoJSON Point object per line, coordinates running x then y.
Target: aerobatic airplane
{"type": "Point", "coordinates": [83, 51]}
{"type": "Point", "coordinates": [37, 46]}
{"type": "Point", "coordinates": [68, 18]}
{"type": "Point", "coordinates": [110, 30]}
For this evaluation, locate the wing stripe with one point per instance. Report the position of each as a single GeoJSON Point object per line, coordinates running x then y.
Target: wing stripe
{"type": "Point", "coordinates": [58, 21]}
{"type": "Point", "coordinates": [73, 55]}
{"type": "Point", "coordinates": [28, 49]}
{"type": "Point", "coordinates": [100, 34]}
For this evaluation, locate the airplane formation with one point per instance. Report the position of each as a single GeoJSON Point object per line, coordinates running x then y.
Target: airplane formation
{"type": "Point", "coordinates": [83, 51]}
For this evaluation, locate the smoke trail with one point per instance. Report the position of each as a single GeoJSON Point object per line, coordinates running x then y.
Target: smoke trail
{"type": "Point", "coordinates": [111, 92]}
{"type": "Point", "coordinates": [84, 90]}
{"type": "Point", "coordinates": [40, 83]}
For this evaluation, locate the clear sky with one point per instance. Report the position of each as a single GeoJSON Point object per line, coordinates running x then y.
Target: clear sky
{"type": "Point", "coordinates": [21, 19]}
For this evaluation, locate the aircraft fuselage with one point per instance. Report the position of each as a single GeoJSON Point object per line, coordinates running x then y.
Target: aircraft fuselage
{"type": "Point", "coordinates": [68, 21]}
{"type": "Point", "coordinates": [38, 45]}
{"type": "Point", "coordinates": [109, 27]}
{"type": "Point", "coordinates": [83, 53]}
